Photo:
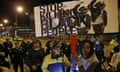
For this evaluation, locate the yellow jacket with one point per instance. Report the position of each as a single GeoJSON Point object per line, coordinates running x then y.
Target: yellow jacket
{"type": "Point", "coordinates": [48, 60]}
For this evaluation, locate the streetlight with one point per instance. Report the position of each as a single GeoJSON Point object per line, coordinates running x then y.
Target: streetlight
{"type": "Point", "coordinates": [19, 9]}
{"type": "Point", "coordinates": [1, 24]}
{"type": "Point", "coordinates": [29, 14]}
{"type": "Point", "coordinates": [5, 21]}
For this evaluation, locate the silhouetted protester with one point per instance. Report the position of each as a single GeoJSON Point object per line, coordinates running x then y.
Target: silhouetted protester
{"type": "Point", "coordinates": [55, 61]}
{"type": "Point", "coordinates": [98, 47]}
{"type": "Point", "coordinates": [88, 61]}
{"type": "Point", "coordinates": [48, 47]}
{"type": "Point", "coordinates": [8, 46]}
{"type": "Point", "coordinates": [34, 57]}
{"type": "Point", "coordinates": [78, 46]}
{"type": "Point", "coordinates": [17, 57]}
{"type": "Point", "coordinates": [25, 45]}
{"type": "Point", "coordinates": [99, 16]}
{"type": "Point", "coordinates": [3, 61]}
{"type": "Point", "coordinates": [66, 49]}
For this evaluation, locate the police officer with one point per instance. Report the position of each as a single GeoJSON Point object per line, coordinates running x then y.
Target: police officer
{"type": "Point", "coordinates": [34, 57]}
{"type": "Point", "coordinates": [7, 47]}
{"type": "Point", "coordinates": [17, 57]}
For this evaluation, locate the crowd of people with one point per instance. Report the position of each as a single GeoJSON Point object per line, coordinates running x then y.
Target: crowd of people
{"type": "Point", "coordinates": [57, 56]}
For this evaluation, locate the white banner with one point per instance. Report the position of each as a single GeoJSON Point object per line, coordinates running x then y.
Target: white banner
{"type": "Point", "coordinates": [77, 17]}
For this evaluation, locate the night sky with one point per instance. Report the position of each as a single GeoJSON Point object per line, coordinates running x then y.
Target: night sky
{"type": "Point", "coordinates": [7, 7]}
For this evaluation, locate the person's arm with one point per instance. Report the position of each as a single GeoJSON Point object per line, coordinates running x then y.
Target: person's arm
{"type": "Point", "coordinates": [45, 65]}
{"type": "Point", "coordinates": [66, 61]}
{"type": "Point", "coordinates": [77, 59]}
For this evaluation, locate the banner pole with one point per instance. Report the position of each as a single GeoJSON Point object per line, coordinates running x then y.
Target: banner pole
{"type": "Point", "coordinates": [73, 43]}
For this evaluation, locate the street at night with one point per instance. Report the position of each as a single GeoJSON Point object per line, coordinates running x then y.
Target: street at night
{"type": "Point", "coordinates": [59, 35]}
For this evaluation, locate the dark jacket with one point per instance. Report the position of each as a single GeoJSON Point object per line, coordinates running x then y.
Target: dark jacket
{"type": "Point", "coordinates": [17, 54]}
{"type": "Point", "coordinates": [35, 57]}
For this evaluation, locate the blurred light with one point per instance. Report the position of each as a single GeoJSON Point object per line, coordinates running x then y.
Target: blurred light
{"type": "Point", "coordinates": [19, 8]}
{"type": "Point", "coordinates": [1, 25]}
{"type": "Point", "coordinates": [5, 21]}
{"type": "Point", "coordinates": [26, 13]}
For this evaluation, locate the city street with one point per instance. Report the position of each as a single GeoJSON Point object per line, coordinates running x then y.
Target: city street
{"type": "Point", "coordinates": [35, 34]}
